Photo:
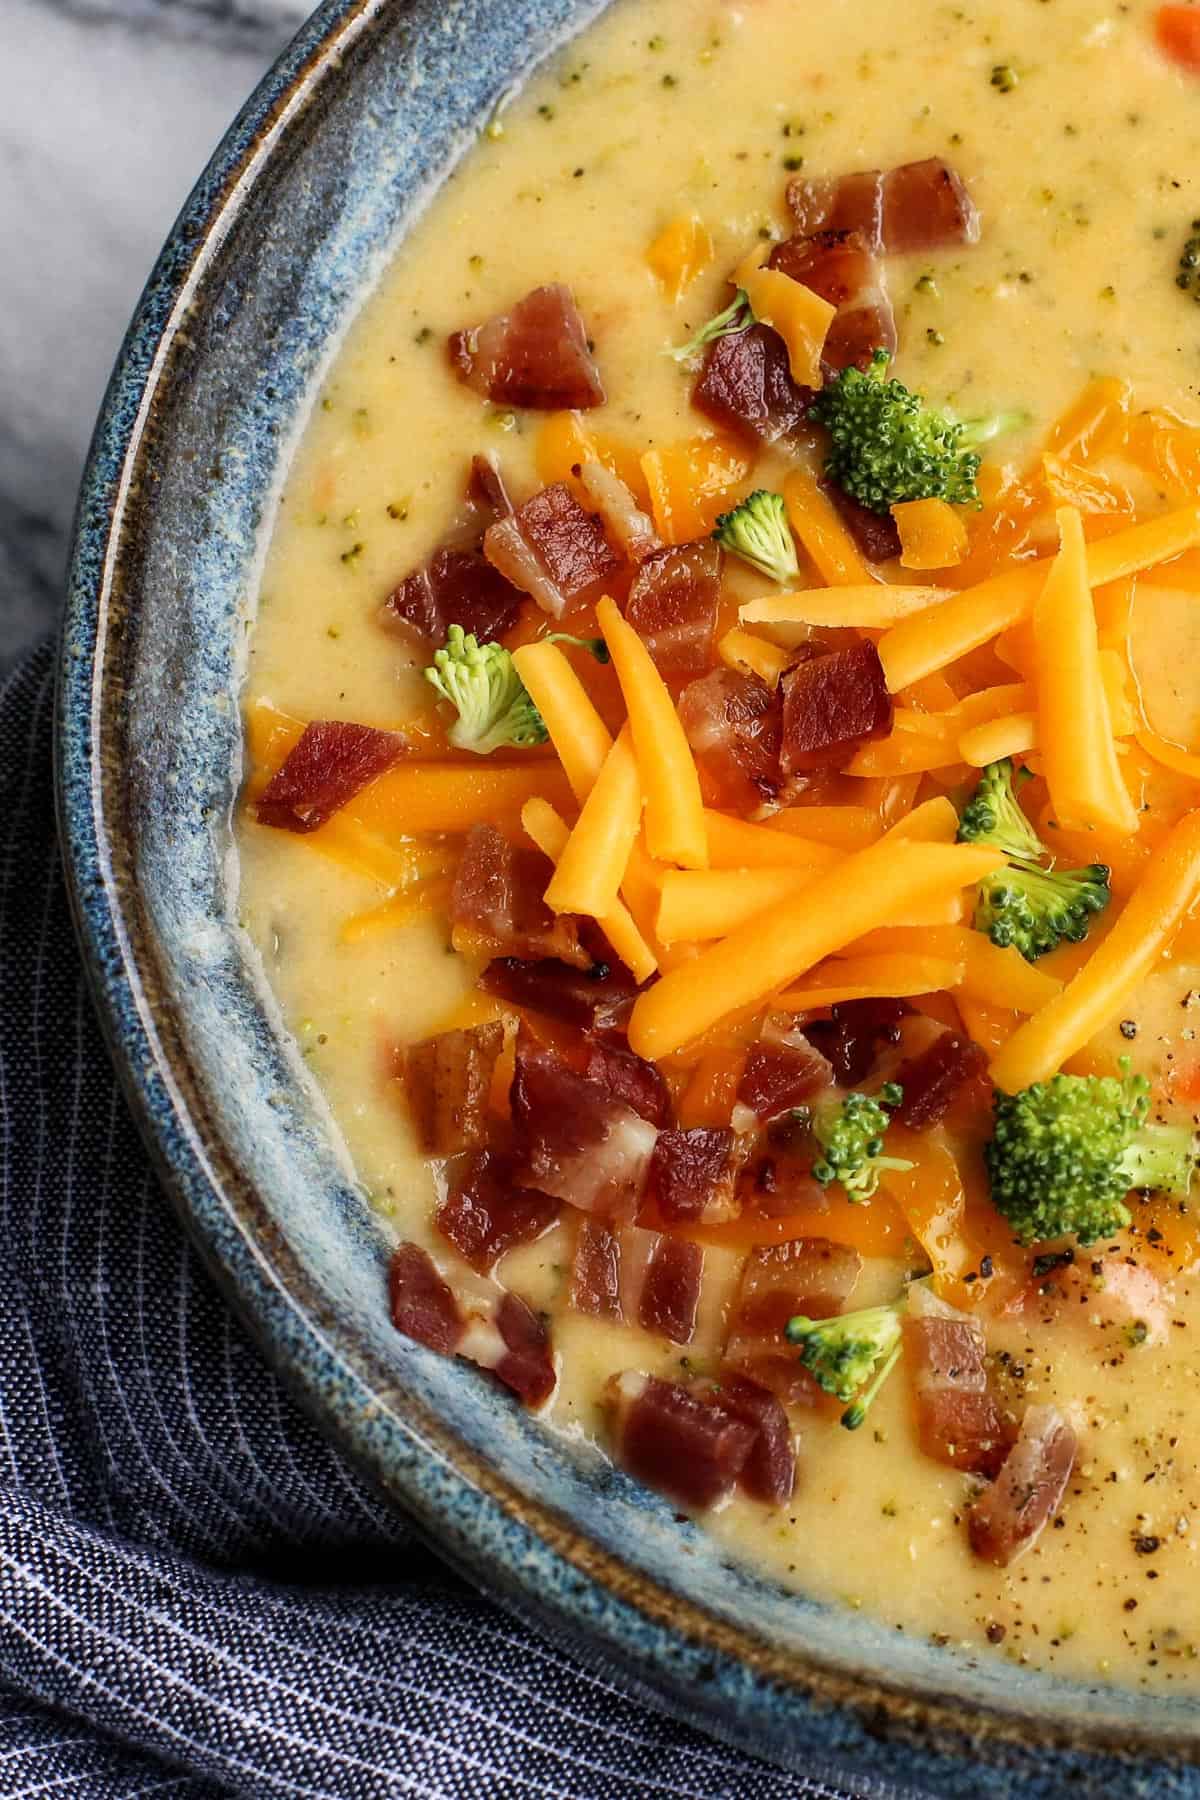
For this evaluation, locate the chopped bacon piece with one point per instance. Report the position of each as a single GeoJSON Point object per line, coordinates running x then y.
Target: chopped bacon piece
{"type": "Point", "coordinates": [813, 1276]}
{"type": "Point", "coordinates": [578, 1140]}
{"type": "Point", "coordinates": [550, 548]}
{"type": "Point", "coordinates": [627, 525]}
{"type": "Point", "coordinates": [497, 905]}
{"type": "Point", "coordinates": [331, 762]}
{"type": "Point", "coordinates": [536, 355]}
{"type": "Point", "coordinates": [851, 1036]}
{"type": "Point", "coordinates": [841, 268]}
{"type": "Point", "coordinates": [455, 587]}
{"type": "Point", "coordinates": [689, 1448]}
{"type": "Point", "coordinates": [746, 386]}
{"type": "Point", "coordinates": [474, 1318]}
{"type": "Point", "coordinates": [832, 704]}
{"type": "Point", "coordinates": [694, 1174]}
{"type": "Point", "coordinates": [1008, 1517]}
{"type": "Point", "coordinates": [630, 1078]}
{"type": "Point", "coordinates": [958, 1419]}
{"type": "Point", "coordinates": [932, 1080]}
{"type": "Point", "coordinates": [733, 723]}
{"type": "Point", "coordinates": [672, 606]}
{"type": "Point", "coordinates": [596, 1271]}
{"type": "Point", "coordinates": [447, 1079]}
{"type": "Point", "coordinates": [486, 489]}
{"type": "Point", "coordinates": [876, 535]}
{"type": "Point", "coordinates": [769, 1473]}
{"type": "Point", "coordinates": [599, 998]}
{"type": "Point", "coordinates": [917, 206]}
{"type": "Point", "coordinates": [487, 1213]}
{"type": "Point", "coordinates": [781, 1071]}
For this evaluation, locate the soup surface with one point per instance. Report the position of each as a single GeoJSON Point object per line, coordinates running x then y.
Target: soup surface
{"type": "Point", "coordinates": [647, 162]}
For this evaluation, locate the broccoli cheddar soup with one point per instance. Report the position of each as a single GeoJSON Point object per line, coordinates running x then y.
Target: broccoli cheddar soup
{"type": "Point", "coordinates": [722, 815]}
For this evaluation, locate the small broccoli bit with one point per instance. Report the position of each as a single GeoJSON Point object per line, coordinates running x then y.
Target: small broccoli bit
{"type": "Point", "coordinates": [852, 1355]}
{"type": "Point", "coordinates": [851, 1133]}
{"type": "Point", "coordinates": [1065, 1153]}
{"type": "Point", "coordinates": [1035, 910]}
{"type": "Point", "coordinates": [737, 316]}
{"type": "Point", "coordinates": [887, 446]}
{"type": "Point", "coordinates": [594, 646]}
{"type": "Point", "coordinates": [494, 709]}
{"type": "Point", "coordinates": [758, 532]}
{"type": "Point", "coordinates": [993, 814]}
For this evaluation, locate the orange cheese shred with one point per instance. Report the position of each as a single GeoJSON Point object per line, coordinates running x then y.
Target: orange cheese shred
{"type": "Point", "coordinates": [888, 976]}
{"type": "Point", "coordinates": [932, 534]}
{"type": "Point", "coordinates": [592, 865]}
{"type": "Point", "coordinates": [550, 834]}
{"type": "Point", "coordinates": [801, 318]}
{"type": "Point", "coordinates": [691, 483]}
{"type": "Point", "coordinates": [577, 731]}
{"type": "Point", "coordinates": [682, 250]}
{"type": "Point", "coordinates": [992, 975]}
{"type": "Point", "coordinates": [877, 604]}
{"type": "Point", "coordinates": [742, 650]}
{"type": "Point", "coordinates": [739, 844]}
{"type": "Point", "coordinates": [813, 517]}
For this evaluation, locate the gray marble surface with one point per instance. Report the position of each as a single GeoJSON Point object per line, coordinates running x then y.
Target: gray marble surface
{"type": "Point", "coordinates": [111, 110]}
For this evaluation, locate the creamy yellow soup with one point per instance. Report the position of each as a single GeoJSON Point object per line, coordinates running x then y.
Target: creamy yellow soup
{"type": "Point", "coordinates": [1079, 144]}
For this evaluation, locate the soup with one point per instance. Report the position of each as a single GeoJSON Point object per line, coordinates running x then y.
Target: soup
{"type": "Point", "coordinates": [690, 954]}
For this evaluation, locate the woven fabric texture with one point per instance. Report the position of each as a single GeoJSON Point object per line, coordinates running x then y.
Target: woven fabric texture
{"type": "Point", "coordinates": [197, 1596]}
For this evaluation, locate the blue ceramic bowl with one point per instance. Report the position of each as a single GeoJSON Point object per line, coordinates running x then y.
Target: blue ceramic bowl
{"type": "Point", "coordinates": [282, 238]}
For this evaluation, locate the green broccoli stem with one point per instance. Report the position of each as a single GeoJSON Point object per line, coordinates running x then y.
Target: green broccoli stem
{"type": "Point", "coordinates": [737, 316]}
{"type": "Point", "coordinates": [1160, 1158]}
{"type": "Point", "coordinates": [855, 1414]}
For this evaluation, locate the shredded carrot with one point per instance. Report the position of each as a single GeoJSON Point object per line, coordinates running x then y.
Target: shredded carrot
{"type": "Point", "coordinates": [813, 517]}
{"type": "Point", "coordinates": [682, 250]}
{"type": "Point", "coordinates": [877, 604]}
{"type": "Point", "coordinates": [739, 844]}
{"type": "Point", "coordinates": [674, 809]}
{"type": "Point", "coordinates": [869, 889]}
{"type": "Point", "coordinates": [742, 650]}
{"type": "Point", "coordinates": [932, 534]}
{"type": "Point", "coordinates": [887, 976]}
{"type": "Point", "coordinates": [1097, 993]}
{"type": "Point", "coordinates": [551, 835]}
{"type": "Point", "coordinates": [1074, 730]}
{"type": "Point", "coordinates": [691, 483]}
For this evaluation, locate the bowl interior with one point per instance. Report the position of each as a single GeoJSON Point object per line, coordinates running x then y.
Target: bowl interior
{"type": "Point", "coordinates": [277, 247]}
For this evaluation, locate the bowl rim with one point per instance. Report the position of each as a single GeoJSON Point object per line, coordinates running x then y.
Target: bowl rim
{"type": "Point", "coordinates": [724, 1679]}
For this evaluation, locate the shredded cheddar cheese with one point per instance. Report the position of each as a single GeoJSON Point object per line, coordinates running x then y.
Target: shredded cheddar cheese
{"type": "Point", "coordinates": [592, 865]}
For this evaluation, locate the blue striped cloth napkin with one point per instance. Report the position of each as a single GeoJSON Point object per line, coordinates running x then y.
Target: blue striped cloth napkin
{"type": "Point", "coordinates": [197, 1596]}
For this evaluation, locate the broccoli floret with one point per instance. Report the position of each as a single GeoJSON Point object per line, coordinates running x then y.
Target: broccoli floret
{"type": "Point", "coordinates": [1035, 910]}
{"type": "Point", "coordinates": [737, 316]}
{"type": "Point", "coordinates": [993, 814]}
{"type": "Point", "coordinates": [1064, 1153]}
{"type": "Point", "coordinates": [887, 446]}
{"type": "Point", "coordinates": [494, 709]}
{"type": "Point", "coordinates": [758, 532]}
{"type": "Point", "coordinates": [851, 1355]}
{"type": "Point", "coordinates": [850, 1133]}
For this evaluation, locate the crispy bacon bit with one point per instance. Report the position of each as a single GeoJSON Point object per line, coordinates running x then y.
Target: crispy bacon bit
{"type": "Point", "coordinates": [851, 1036]}
{"type": "Point", "coordinates": [474, 1318]}
{"type": "Point", "coordinates": [1008, 1517]}
{"type": "Point", "coordinates": [486, 489]}
{"type": "Point", "coordinates": [672, 606]}
{"type": "Point", "coordinates": [550, 548]}
{"type": "Point", "coordinates": [782, 1071]}
{"type": "Point", "coordinates": [626, 524]}
{"type": "Point", "coordinates": [447, 1079]}
{"type": "Point", "coordinates": [331, 762]}
{"type": "Point", "coordinates": [831, 704]}
{"type": "Point", "coordinates": [630, 1078]}
{"type": "Point", "coordinates": [769, 1473]}
{"type": "Point", "coordinates": [689, 1448]}
{"type": "Point", "coordinates": [841, 268]}
{"type": "Point", "coordinates": [958, 1419]}
{"type": "Point", "coordinates": [876, 534]}
{"type": "Point", "coordinates": [599, 998]}
{"type": "Point", "coordinates": [536, 355]}
{"type": "Point", "coordinates": [694, 1174]}
{"type": "Point", "coordinates": [746, 386]}
{"type": "Point", "coordinates": [733, 723]}
{"type": "Point", "coordinates": [497, 905]}
{"type": "Point", "coordinates": [455, 587]}
{"type": "Point", "coordinates": [578, 1141]}
{"type": "Point", "coordinates": [932, 1080]}
{"type": "Point", "coordinates": [596, 1271]}
{"type": "Point", "coordinates": [813, 1276]}
{"type": "Point", "coordinates": [487, 1213]}
{"type": "Point", "coordinates": [918, 206]}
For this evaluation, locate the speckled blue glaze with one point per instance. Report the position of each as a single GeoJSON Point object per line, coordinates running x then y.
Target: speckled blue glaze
{"type": "Point", "coordinates": [311, 190]}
